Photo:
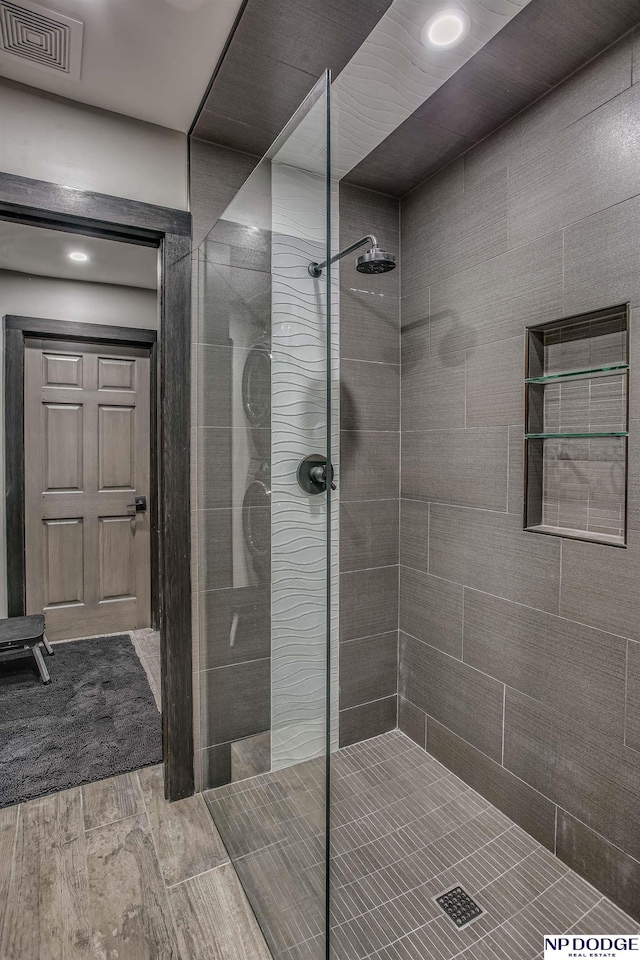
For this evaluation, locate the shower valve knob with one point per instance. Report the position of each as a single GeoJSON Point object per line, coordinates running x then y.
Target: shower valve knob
{"type": "Point", "coordinates": [312, 474]}
{"type": "Point", "coordinates": [319, 477]}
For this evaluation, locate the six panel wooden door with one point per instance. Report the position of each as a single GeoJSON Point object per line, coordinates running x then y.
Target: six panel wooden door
{"type": "Point", "coordinates": [87, 455]}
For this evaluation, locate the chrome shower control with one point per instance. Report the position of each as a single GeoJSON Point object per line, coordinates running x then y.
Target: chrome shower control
{"type": "Point", "coordinates": [312, 474]}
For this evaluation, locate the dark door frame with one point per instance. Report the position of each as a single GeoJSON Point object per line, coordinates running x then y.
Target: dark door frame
{"type": "Point", "coordinates": [17, 331]}
{"type": "Point", "coordinates": [56, 207]}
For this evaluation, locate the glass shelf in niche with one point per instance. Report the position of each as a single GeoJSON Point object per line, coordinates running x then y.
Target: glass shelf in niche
{"type": "Point", "coordinates": [562, 436]}
{"type": "Point", "coordinates": [592, 373]}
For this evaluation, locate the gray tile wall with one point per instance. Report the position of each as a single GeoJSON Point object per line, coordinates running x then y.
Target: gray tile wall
{"type": "Point", "coordinates": [370, 464]}
{"type": "Point", "coordinates": [232, 681]}
{"type": "Point", "coordinates": [519, 662]}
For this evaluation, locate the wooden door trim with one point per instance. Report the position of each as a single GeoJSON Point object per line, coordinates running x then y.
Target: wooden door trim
{"type": "Point", "coordinates": [56, 207]}
{"type": "Point", "coordinates": [17, 331]}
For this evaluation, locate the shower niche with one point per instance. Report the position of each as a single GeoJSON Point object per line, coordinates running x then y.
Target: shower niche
{"type": "Point", "coordinates": [577, 427]}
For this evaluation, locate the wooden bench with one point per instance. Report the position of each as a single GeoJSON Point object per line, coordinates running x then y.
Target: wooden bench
{"type": "Point", "coordinates": [19, 634]}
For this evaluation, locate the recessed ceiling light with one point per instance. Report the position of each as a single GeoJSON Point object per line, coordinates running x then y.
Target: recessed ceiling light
{"type": "Point", "coordinates": [78, 256]}
{"type": "Point", "coordinates": [446, 29]}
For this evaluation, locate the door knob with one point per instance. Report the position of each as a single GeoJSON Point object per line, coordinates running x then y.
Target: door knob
{"type": "Point", "coordinates": [312, 474]}
{"type": "Point", "coordinates": [138, 506]}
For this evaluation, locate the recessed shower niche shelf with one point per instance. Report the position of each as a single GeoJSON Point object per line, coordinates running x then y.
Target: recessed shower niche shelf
{"type": "Point", "coordinates": [591, 374]}
{"type": "Point", "coordinates": [569, 436]}
{"type": "Point", "coordinates": [577, 427]}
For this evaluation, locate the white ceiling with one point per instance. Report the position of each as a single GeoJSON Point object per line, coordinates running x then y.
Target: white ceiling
{"type": "Point", "coordinates": [36, 251]}
{"type": "Point", "coordinates": [149, 59]}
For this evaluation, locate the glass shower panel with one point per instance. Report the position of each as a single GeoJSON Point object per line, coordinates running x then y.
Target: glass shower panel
{"type": "Point", "coordinates": [268, 566]}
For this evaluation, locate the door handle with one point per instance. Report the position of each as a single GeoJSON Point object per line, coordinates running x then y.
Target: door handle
{"type": "Point", "coordinates": [138, 506]}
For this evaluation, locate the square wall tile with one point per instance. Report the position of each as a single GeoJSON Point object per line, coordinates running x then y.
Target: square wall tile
{"type": "Point", "coordinates": [472, 227]}
{"type": "Point", "coordinates": [368, 720]}
{"type": "Point", "coordinates": [491, 552]}
{"type": "Point", "coordinates": [598, 82]}
{"type": "Point", "coordinates": [414, 534]}
{"type": "Point", "coordinates": [465, 467]}
{"type": "Point", "coordinates": [414, 326]}
{"type": "Point", "coordinates": [587, 167]}
{"type": "Point", "coordinates": [368, 602]}
{"type": "Point", "coordinates": [572, 668]}
{"type": "Point", "coordinates": [431, 610]}
{"type": "Point", "coordinates": [467, 702]}
{"type": "Point", "coordinates": [214, 468]}
{"type": "Point", "coordinates": [369, 395]}
{"type": "Point", "coordinates": [369, 533]}
{"type": "Point", "coordinates": [412, 721]}
{"type": "Point", "coordinates": [528, 808]}
{"type": "Point", "coordinates": [369, 465]}
{"type": "Point", "coordinates": [368, 669]}
{"type": "Point", "coordinates": [632, 738]}
{"type": "Point", "coordinates": [235, 625]}
{"type": "Point", "coordinates": [433, 395]}
{"type": "Point", "coordinates": [591, 776]}
{"type": "Point", "coordinates": [369, 323]}
{"type": "Point", "coordinates": [218, 534]}
{"type": "Point", "coordinates": [608, 868]}
{"type": "Point", "coordinates": [494, 383]}
{"type": "Point", "coordinates": [215, 765]}
{"type": "Point", "coordinates": [233, 300]}
{"type": "Point", "coordinates": [516, 471]}
{"type": "Point", "coordinates": [498, 299]}
{"type": "Point", "coordinates": [603, 601]}
{"type": "Point", "coordinates": [601, 255]}
{"type": "Point", "coordinates": [235, 701]}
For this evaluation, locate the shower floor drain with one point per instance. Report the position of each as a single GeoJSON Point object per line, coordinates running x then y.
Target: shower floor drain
{"type": "Point", "coordinates": [458, 906]}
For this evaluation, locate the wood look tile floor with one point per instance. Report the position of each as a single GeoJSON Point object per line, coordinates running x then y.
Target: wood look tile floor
{"type": "Point", "coordinates": [147, 644]}
{"type": "Point", "coordinates": [404, 830]}
{"type": "Point", "coordinates": [112, 871]}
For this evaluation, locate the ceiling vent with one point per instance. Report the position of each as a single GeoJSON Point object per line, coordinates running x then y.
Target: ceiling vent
{"type": "Point", "coordinates": [43, 38]}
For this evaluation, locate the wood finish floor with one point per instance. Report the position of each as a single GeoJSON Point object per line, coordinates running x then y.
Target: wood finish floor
{"type": "Point", "coordinates": [147, 644]}
{"type": "Point", "coordinates": [112, 871]}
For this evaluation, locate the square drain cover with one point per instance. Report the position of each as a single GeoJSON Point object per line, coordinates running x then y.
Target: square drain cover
{"type": "Point", "coordinates": [458, 906]}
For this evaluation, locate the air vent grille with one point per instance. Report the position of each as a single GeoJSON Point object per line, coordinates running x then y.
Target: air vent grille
{"type": "Point", "coordinates": [42, 37]}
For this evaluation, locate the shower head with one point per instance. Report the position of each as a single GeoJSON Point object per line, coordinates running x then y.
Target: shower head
{"type": "Point", "coordinates": [375, 261]}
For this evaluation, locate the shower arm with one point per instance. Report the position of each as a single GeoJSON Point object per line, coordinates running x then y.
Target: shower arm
{"type": "Point", "coordinates": [315, 269]}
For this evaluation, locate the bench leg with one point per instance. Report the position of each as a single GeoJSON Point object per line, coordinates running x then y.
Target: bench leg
{"type": "Point", "coordinates": [47, 645]}
{"type": "Point", "coordinates": [42, 667]}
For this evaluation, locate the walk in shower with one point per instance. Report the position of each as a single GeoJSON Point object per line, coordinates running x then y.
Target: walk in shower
{"type": "Point", "coordinates": [396, 679]}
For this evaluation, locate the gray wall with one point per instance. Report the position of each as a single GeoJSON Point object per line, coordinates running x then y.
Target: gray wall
{"type": "Point", "coordinates": [233, 687]}
{"type": "Point", "coordinates": [519, 660]}
{"type": "Point", "coordinates": [76, 145]}
{"type": "Point", "coordinates": [28, 295]}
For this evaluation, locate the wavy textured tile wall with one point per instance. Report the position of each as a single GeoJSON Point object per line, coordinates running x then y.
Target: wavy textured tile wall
{"type": "Point", "coordinates": [299, 428]}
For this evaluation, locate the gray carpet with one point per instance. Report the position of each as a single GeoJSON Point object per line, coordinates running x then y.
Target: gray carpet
{"type": "Point", "coordinates": [96, 718]}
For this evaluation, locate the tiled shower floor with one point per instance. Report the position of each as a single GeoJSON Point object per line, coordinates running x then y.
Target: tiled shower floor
{"type": "Point", "coordinates": [405, 830]}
